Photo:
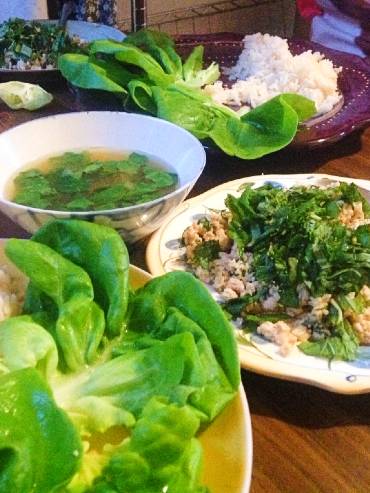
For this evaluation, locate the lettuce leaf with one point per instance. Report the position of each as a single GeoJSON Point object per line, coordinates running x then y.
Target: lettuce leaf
{"type": "Point", "coordinates": [152, 303]}
{"type": "Point", "coordinates": [160, 46]}
{"type": "Point", "coordinates": [84, 72]}
{"type": "Point", "coordinates": [161, 454]}
{"type": "Point", "coordinates": [80, 323]}
{"type": "Point", "coordinates": [40, 449]}
{"type": "Point", "coordinates": [263, 130]}
{"type": "Point", "coordinates": [25, 344]}
{"type": "Point", "coordinates": [100, 251]}
{"type": "Point", "coordinates": [22, 95]}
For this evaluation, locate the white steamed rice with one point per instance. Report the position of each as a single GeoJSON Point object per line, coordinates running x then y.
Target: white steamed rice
{"type": "Point", "coordinates": [266, 68]}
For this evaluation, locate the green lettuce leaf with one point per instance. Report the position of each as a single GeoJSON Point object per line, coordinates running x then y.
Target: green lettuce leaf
{"type": "Point", "coordinates": [40, 449]}
{"type": "Point", "coordinates": [80, 325]}
{"type": "Point", "coordinates": [160, 84]}
{"type": "Point", "coordinates": [149, 309]}
{"type": "Point", "coordinates": [161, 454]}
{"type": "Point", "coordinates": [263, 130]}
{"type": "Point", "coordinates": [100, 251]}
{"type": "Point", "coordinates": [115, 392]}
{"type": "Point", "coordinates": [25, 344]}
{"type": "Point", "coordinates": [193, 73]}
{"type": "Point", "coordinates": [160, 46]}
{"type": "Point", "coordinates": [132, 55]}
{"type": "Point", "coordinates": [22, 95]}
{"type": "Point", "coordinates": [81, 71]}
{"type": "Point", "coordinates": [142, 95]}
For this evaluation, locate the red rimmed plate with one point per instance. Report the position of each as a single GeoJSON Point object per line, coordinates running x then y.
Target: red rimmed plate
{"type": "Point", "coordinates": [352, 113]}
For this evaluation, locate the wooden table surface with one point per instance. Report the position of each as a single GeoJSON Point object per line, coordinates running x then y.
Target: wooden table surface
{"type": "Point", "coordinates": [306, 440]}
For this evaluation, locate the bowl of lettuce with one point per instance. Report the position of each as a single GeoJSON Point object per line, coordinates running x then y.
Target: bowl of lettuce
{"type": "Point", "coordinates": [22, 148]}
{"type": "Point", "coordinates": [108, 386]}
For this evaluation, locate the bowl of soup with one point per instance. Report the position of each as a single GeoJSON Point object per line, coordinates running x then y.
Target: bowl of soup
{"type": "Point", "coordinates": [124, 170]}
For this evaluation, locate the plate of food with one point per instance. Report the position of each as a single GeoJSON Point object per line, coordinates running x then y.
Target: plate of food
{"type": "Point", "coordinates": [30, 49]}
{"type": "Point", "coordinates": [108, 407]}
{"type": "Point", "coordinates": [150, 73]}
{"type": "Point", "coordinates": [256, 67]}
{"type": "Point", "coordinates": [287, 257]}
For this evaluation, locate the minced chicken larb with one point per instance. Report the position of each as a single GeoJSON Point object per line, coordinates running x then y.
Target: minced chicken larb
{"type": "Point", "coordinates": [292, 265]}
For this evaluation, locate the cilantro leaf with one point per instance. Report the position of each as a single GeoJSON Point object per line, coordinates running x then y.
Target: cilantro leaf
{"type": "Point", "coordinates": [205, 252]}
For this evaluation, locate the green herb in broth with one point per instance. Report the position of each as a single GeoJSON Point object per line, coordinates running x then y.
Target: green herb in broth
{"type": "Point", "coordinates": [92, 180]}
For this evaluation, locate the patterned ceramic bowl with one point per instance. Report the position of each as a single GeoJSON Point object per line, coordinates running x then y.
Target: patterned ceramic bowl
{"type": "Point", "coordinates": [116, 131]}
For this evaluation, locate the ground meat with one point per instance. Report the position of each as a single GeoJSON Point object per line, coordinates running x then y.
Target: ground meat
{"type": "Point", "coordinates": [303, 294]}
{"type": "Point", "coordinates": [365, 292]}
{"type": "Point", "coordinates": [270, 303]}
{"type": "Point", "coordinates": [352, 215]}
{"type": "Point", "coordinates": [214, 228]}
{"type": "Point", "coordinates": [283, 334]}
{"type": "Point", "coordinates": [320, 306]}
{"type": "Point", "coordinates": [361, 325]}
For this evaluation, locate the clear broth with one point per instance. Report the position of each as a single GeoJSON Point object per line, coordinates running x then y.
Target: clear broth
{"type": "Point", "coordinates": [102, 179]}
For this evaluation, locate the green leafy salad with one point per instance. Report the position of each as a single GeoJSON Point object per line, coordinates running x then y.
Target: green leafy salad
{"type": "Point", "coordinates": [292, 265]}
{"type": "Point", "coordinates": [90, 358]}
{"type": "Point", "coordinates": [150, 76]}
{"type": "Point", "coordinates": [92, 180]}
{"type": "Point", "coordinates": [26, 45]}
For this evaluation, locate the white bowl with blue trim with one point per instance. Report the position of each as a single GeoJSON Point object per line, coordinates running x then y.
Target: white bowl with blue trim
{"type": "Point", "coordinates": [116, 131]}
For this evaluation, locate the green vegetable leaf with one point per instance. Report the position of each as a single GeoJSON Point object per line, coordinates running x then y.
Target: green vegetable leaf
{"type": "Point", "coordinates": [24, 344]}
{"type": "Point", "coordinates": [206, 252]}
{"type": "Point", "coordinates": [280, 225]}
{"type": "Point", "coordinates": [160, 46]}
{"type": "Point", "coordinates": [150, 306]}
{"type": "Point", "coordinates": [81, 71]}
{"type": "Point", "coordinates": [142, 96]}
{"type": "Point", "coordinates": [40, 448]}
{"type": "Point", "coordinates": [164, 87]}
{"type": "Point", "coordinates": [341, 345]}
{"type": "Point", "coordinates": [193, 72]}
{"type": "Point", "coordinates": [21, 95]}
{"type": "Point", "coordinates": [66, 180]}
{"type": "Point", "coordinates": [80, 204]}
{"type": "Point", "coordinates": [101, 252]}
{"type": "Point", "coordinates": [305, 108]}
{"type": "Point", "coordinates": [130, 54]}
{"type": "Point", "coordinates": [265, 129]}
{"type": "Point", "coordinates": [332, 348]}
{"type": "Point", "coordinates": [80, 324]}
{"type": "Point", "coordinates": [116, 391]}
{"type": "Point", "coordinates": [161, 454]}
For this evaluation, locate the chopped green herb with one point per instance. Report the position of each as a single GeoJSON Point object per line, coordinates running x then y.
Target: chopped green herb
{"type": "Point", "coordinates": [33, 44]}
{"type": "Point", "coordinates": [205, 252]}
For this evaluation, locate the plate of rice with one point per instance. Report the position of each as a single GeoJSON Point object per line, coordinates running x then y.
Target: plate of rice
{"type": "Point", "coordinates": [288, 258]}
{"type": "Point", "coordinates": [257, 67]}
